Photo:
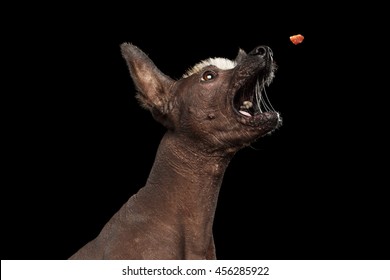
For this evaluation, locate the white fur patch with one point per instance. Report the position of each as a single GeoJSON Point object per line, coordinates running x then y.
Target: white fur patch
{"type": "Point", "coordinates": [221, 63]}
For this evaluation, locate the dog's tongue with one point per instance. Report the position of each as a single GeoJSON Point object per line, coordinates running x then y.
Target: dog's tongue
{"type": "Point", "coordinates": [246, 105]}
{"type": "Point", "coordinates": [245, 113]}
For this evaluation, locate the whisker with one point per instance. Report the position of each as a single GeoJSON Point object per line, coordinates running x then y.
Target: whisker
{"type": "Point", "coordinates": [258, 96]}
{"type": "Point", "coordinates": [269, 103]}
{"type": "Point", "coordinates": [263, 103]}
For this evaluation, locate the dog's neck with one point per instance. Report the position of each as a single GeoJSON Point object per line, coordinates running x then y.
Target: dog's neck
{"type": "Point", "coordinates": [185, 184]}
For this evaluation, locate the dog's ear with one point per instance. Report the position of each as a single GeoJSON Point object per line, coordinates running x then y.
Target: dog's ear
{"type": "Point", "coordinates": [152, 85]}
{"type": "Point", "coordinates": [240, 56]}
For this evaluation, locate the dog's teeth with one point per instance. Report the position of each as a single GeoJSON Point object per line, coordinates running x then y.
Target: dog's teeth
{"type": "Point", "coordinates": [247, 104]}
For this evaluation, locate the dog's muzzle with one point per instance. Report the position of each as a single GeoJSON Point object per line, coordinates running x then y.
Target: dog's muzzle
{"type": "Point", "coordinates": [251, 104]}
{"type": "Point", "coordinates": [262, 51]}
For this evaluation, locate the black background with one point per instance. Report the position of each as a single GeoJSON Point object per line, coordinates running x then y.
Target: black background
{"type": "Point", "coordinates": [78, 145]}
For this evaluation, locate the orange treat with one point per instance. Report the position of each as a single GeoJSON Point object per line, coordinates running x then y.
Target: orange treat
{"type": "Point", "coordinates": [296, 39]}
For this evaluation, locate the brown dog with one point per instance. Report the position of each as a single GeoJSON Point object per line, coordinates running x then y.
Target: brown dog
{"type": "Point", "coordinates": [217, 108]}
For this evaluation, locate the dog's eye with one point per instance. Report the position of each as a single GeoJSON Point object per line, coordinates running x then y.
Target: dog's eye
{"type": "Point", "coordinates": [208, 75]}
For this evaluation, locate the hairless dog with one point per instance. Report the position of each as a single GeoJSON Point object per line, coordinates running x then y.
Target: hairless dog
{"type": "Point", "coordinates": [218, 107]}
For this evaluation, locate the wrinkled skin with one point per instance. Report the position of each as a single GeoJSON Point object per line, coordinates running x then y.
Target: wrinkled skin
{"type": "Point", "coordinates": [171, 217]}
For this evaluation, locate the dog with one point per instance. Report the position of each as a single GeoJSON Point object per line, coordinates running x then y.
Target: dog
{"type": "Point", "coordinates": [218, 107]}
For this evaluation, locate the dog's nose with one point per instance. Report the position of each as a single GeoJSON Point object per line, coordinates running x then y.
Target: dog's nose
{"type": "Point", "coordinates": [262, 51]}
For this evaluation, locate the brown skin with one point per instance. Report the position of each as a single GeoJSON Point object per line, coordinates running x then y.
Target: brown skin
{"type": "Point", "coordinates": [172, 216]}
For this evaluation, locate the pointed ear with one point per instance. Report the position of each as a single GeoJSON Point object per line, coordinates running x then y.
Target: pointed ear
{"type": "Point", "coordinates": [240, 56]}
{"type": "Point", "coordinates": [152, 85]}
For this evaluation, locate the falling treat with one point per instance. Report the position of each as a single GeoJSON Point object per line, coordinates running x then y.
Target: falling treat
{"type": "Point", "coordinates": [296, 39]}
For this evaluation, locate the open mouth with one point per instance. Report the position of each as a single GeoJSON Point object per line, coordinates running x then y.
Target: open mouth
{"type": "Point", "coordinates": [251, 101]}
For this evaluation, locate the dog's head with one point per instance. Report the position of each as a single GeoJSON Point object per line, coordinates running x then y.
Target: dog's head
{"type": "Point", "coordinates": [219, 103]}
